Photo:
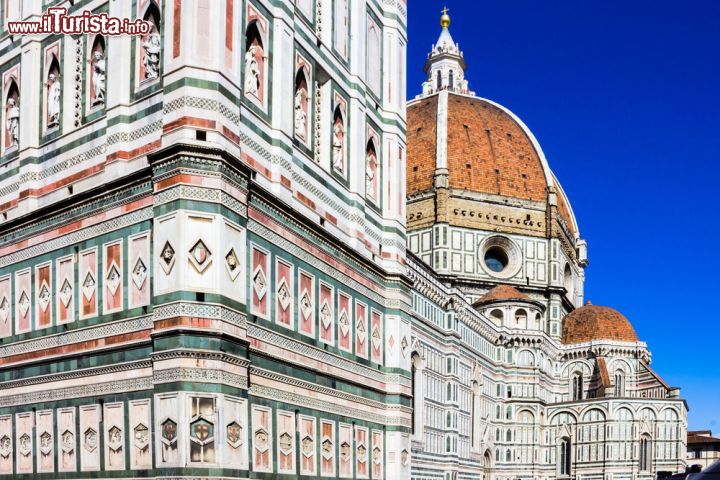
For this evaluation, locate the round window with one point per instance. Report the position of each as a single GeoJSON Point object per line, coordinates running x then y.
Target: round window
{"type": "Point", "coordinates": [499, 257]}
{"type": "Point", "coordinates": [496, 259]}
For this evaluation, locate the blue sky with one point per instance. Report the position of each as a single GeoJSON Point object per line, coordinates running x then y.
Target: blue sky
{"type": "Point", "coordinates": [624, 97]}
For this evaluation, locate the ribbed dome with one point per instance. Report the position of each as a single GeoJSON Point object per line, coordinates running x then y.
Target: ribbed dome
{"type": "Point", "coordinates": [501, 293]}
{"type": "Point", "coordinates": [489, 151]}
{"type": "Point", "coordinates": [594, 322]}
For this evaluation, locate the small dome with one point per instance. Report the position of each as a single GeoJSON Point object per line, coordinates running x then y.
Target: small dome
{"type": "Point", "coordinates": [593, 322]}
{"type": "Point", "coordinates": [501, 293]}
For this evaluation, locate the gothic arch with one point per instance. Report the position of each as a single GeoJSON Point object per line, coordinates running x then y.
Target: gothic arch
{"type": "Point", "coordinates": [625, 365]}
{"type": "Point", "coordinates": [578, 364]}
{"type": "Point", "coordinates": [52, 76]}
{"type": "Point", "coordinates": [11, 92]}
{"type": "Point", "coordinates": [669, 409]}
{"type": "Point", "coordinates": [149, 49]}
{"type": "Point", "coordinates": [526, 353]}
{"type": "Point", "coordinates": [648, 408]}
{"type": "Point", "coordinates": [568, 282]}
{"type": "Point", "coordinates": [569, 413]}
{"type": "Point", "coordinates": [151, 9]}
{"type": "Point", "coordinates": [623, 407]}
{"type": "Point", "coordinates": [600, 408]}
{"type": "Point", "coordinates": [339, 126]}
{"type": "Point", "coordinates": [97, 45]}
{"type": "Point", "coordinates": [417, 365]}
{"type": "Point", "coordinates": [487, 464]}
{"type": "Point", "coordinates": [301, 103]}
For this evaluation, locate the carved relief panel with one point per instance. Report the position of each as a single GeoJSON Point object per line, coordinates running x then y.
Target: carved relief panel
{"type": "Point", "coordinates": [6, 444]}
{"type": "Point", "coordinates": [88, 283]}
{"type": "Point", "coordinates": [284, 288]}
{"type": "Point", "coordinates": [24, 442]}
{"type": "Point", "coordinates": [234, 255]}
{"type": "Point", "coordinates": [203, 430]}
{"type": "Point", "coordinates": [166, 236]}
{"type": "Point", "coordinates": [45, 441]}
{"type": "Point", "coordinates": [328, 447]}
{"type": "Point", "coordinates": [262, 437]}
{"type": "Point", "coordinates": [236, 432]}
{"type": "Point", "coordinates": [286, 442]}
{"type": "Point", "coordinates": [23, 302]}
{"type": "Point", "coordinates": [361, 330]}
{"type": "Point", "coordinates": [67, 440]}
{"type": "Point", "coordinates": [65, 289]}
{"type": "Point", "coordinates": [112, 277]}
{"type": "Point", "coordinates": [6, 316]}
{"type": "Point", "coordinates": [308, 445]}
{"type": "Point", "coordinates": [201, 251]}
{"type": "Point", "coordinates": [140, 435]}
{"type": "Point", "coordinates": [376, 337]}
{"type": "Point", "coordinates": [89, 438]}
{"type": "Point", "coordinates": [306, 303]}
{"type": "Point", "coordinates": [345, 453]}
{"type": "Point", "coordinates": [327, 314]}
{"type": "Point", "coordinates": [362, 452]}
{"type": "Point", "coordinates": [43, 296]}
{"type": "Point", "coordinates": [166, 425]}
{"type": "Point", "coordinates": [377, 455]}
{"type": "Point", "coordinates": [344, 322]}
{"type": "Point", "coordinates": [139, 270]}
{"type": "Point", "coordinates": [259, 281]}
{"type": "Point", "coordinates": [115, 436]}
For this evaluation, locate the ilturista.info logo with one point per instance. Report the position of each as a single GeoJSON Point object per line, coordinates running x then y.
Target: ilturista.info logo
{"type": "Point", "coordinates": [57, 21]}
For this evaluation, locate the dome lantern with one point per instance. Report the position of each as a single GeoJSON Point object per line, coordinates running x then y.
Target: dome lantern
{"type": "Point", "coordinates": [445, 66]}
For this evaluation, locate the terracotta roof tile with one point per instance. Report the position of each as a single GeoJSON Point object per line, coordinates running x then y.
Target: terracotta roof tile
{"type": "Point", "coordinates": [421, 144]}
{"type": "Point", "coordinates": [604, 375]}
{"type": "Point", "coordinates": [501, 292]}
{"type": "Point", "coordinates": [594, 322]}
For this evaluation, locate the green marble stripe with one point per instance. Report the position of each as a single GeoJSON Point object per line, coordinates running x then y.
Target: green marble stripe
{"type": "Point", "coordinates": [97, 241]}
{"type": "Point", "coordinates": [134, 117]}
{"type": "Point", "coordinates": [190, 296]}
{"type": "Point", "coordinates": [340, 252]}
{"type": "Point", "coordinates": [196, 340]}
{"type": "Point", "coordinates": [83, 210]}
{"type": "Point", "coordinates": [298, 263]}
{"type": "Point", "coordinates": [83, 361]}
{"type": "Point", "coordinates": [328, 381]}
{"type": "Point", "coordinates": [200, 206]}
{"type": "Point", "coordinates": [320, 414]}
{"type": "Point", "coordinates": [200, 387]}
{"type": "Point", "coordinates": [77, 402]}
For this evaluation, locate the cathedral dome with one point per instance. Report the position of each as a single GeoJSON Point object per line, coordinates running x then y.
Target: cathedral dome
{"type": "Point", "coordinates": [594, 322]}
{"type": "Point", "coordinates": [488, 151]}
{"type": "Point", "coordinates": [502, 293]}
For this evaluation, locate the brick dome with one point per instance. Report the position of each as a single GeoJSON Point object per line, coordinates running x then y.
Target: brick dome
{"type": "Point", "coordinates": [501, 293]}
{"type": "Point", "coordinates": [594, 322]}
{"type": "Point", "coordinates": [489, 151]}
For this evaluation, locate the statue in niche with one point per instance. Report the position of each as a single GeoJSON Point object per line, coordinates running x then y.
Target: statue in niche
{"type": "Point", "coordinates": [338, 144]}
{"type": "Point", "coordinates": [98, 65]}
{"type": "Point", "coordinates": [151, 59]}
{"type": "Point", "coordinates": [300, 113]}
{"type": "Point", "coordinates": [370, 173]}
{"type": "Point", "coordinates": [13, 122]}
{"type": "Point", "coordinates": [53, 100]}
{"type": "Point", "coordinates": [252, 70]}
